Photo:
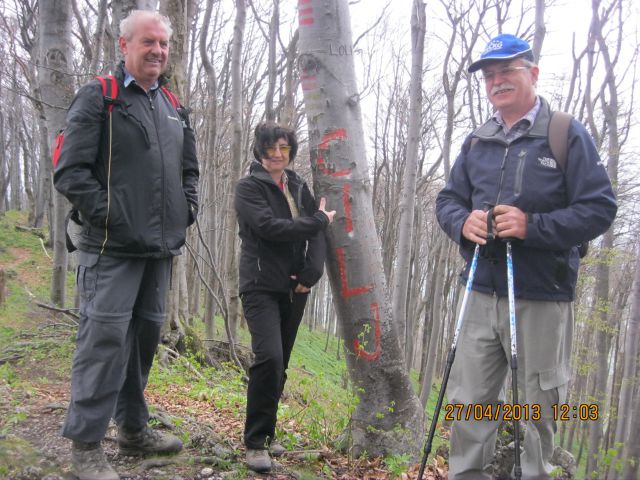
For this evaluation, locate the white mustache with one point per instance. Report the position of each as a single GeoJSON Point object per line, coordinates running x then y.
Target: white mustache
{"type": "Point", "coordinates": [502, 86]}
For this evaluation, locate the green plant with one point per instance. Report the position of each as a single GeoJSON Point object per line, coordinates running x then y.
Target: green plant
{"type": "Point", "coordinates": [397, 464]}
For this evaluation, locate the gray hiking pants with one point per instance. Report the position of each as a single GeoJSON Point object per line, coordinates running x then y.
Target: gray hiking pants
{"type": "Point", "coordinates": [122, 309]}
{"type": "Point", "coordinates": [481, 366]}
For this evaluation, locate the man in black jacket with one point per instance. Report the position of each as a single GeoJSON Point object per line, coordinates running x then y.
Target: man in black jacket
{"type": "Point", "coordinates": [131, 172]}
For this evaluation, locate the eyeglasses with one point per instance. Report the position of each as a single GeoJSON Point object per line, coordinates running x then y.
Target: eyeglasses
{"type": "Point", "coordinates": [284, 150]}
{"type": "Point", "coordinates": [503, 72]}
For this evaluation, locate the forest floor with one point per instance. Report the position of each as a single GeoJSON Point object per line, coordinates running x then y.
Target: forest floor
{"type": "Point", "coordinates": [36, 346]}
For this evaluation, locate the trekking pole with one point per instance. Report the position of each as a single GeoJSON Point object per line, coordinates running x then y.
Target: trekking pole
{"type": "Point", "coordinates": [517, 469]}
{"type": "Point", "coordinates": [450, 357]}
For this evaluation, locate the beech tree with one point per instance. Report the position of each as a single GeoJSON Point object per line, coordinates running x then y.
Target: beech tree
{"type": "Point", "coordinates": [389, 418]}
{"type": "Point", "coordinates": [56, 88]}
{"type": "Point", "coordinates": [407, 198]}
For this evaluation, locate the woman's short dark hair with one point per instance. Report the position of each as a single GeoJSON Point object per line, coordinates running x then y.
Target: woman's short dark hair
{"type": "Point", "coordinates": [267, 134]}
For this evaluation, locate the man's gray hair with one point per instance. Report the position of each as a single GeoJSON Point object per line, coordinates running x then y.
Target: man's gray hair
{"type": "Point", "coordinates": [128, 25]}
{"type": "Point", "coordinates": [527, 62]}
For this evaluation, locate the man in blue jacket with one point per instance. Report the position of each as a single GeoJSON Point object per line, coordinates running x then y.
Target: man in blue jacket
{"type": "Point", "coordinates": [129, 167]}
{"type": "Point", "coordinates": [548, 211]}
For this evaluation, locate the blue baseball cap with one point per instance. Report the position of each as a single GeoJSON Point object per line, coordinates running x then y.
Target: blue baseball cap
{"type": "Point", "coordinates": [503, 47]}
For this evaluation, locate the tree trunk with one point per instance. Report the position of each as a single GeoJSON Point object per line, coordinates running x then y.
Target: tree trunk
{"type": "Point", "coordinates": [56, 89]}
{"type": "Point", "coordinates": [177, 298]}
{"type": "Point", "coordinates": [176, 11]}
{"type": "Point", "coordinates": [408, 195]}
{"type": "Point", "coordinates": [274, 26]}
{"type": "Point", "coordinates": [438, 321]}
{"type": "Point", "coordinates": [388, 419]}
{"type": "Point", "coordinates": [540, 30]}
{"type": "Point", "coordinates": [632, 445]}
{"type": "Point", "coordinates": [610, 109]}
{"type": "Point", "coordinates": [630, 374]}
{"type": "Point", "coordinates": [230, 242]}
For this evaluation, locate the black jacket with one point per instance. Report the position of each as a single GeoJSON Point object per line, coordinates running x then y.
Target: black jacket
{"type": "Point", "coordinates": [274, 245]}
{"type": "Point", "coordinates": [152, 174]}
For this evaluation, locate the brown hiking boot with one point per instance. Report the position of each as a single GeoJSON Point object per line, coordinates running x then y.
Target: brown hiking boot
{"type": "Point", "coordinates": [147, 441]}
{"type": "Point", "coordinates": [276, 449]}
{"type": "Point", "coordinates": [258, 460]}
{"type": "Point", "coordinates": [90, 463]}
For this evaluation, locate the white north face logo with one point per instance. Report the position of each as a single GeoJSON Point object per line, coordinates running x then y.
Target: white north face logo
{"type": "Point", "coordinates": [493, 45]}
{"type": "Point", "coordinates": [547, 162]}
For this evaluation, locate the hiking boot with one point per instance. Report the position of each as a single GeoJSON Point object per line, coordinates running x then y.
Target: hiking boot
{"type": "Point", "coordinates": [276, 449]}
{"type": "Point", "coordinates": [147, 441]}
{"type": "Point", "coordinates": [90, 463]}
{"type": "Point", "coordinates": [258, 460]}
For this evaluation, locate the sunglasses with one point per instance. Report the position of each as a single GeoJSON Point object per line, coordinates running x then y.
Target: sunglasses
{"type": "Point", "coordinates": [284, 150]}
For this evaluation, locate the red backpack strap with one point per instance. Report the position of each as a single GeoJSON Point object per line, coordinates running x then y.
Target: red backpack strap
{"type": "Point", "coordinates": [57, 148]}
{"type": "Point", "coordinates": [172, 97]}
{"type": "Point", "coordinates": [109, 86]}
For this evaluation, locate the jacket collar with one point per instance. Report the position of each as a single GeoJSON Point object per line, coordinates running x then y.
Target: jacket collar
{"type": "Point", "coordinates": [257, 171]}
{"type": "Point", "coordinates": [540, 128]}
{"type": "Point", "coordinates": [121, 75]}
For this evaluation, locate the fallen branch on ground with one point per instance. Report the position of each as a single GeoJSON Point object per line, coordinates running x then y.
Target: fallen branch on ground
{"type": "Point", "coordinates": [71, 312]}
{"type": "Point", "coordinates": [163, 462]}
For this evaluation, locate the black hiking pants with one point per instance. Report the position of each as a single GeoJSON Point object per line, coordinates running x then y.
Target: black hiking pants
{"type": "Point", "coordinates": [273, 320]}
{"type": "Point", "coordinates": [122, 309]}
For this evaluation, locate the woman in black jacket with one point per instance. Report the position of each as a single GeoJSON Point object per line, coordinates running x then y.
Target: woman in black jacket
{"type": "Point", "coordinates": [282, 257]}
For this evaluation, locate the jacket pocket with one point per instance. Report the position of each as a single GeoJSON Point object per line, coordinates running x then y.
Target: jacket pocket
{"type": "Point", "coordinates": [132, 120]}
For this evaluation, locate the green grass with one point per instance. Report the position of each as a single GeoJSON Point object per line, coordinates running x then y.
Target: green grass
{"type": "Point", "coordinates": [318, 397]}
{"type": "Point", "coordinates": [17, 304]}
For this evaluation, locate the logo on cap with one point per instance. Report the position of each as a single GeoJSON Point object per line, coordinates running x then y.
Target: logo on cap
{"type": "Point", "coordinates": [493, 45]}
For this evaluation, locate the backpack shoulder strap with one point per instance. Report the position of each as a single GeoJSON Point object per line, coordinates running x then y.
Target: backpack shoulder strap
{"type": "Point", "coordinates": [109, 86]}
{"type": "Point", "coordinates": [559, 137]}
{"type": "Point", "coordinates": [171, 96]}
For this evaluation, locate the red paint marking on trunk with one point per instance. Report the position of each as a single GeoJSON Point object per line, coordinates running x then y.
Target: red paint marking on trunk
{"type": "Point", "coordinates": [346, 202]}
{"type": "Point", "coordinates": [344, 285]}
{"type": "Point", "coordinates": [305, 11]}
{"type": "Point", "coordinates": [360, 351]}
{"type": "Point", "coordinates": [303, 2]}
{"type": "Point", "coordinates": [338, 134]}
{"type": "Point", "coordinates": [306, 21]}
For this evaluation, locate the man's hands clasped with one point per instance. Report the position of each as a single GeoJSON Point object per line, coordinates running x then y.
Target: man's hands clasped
{"type": "Point", "coordinates": [508, 222]}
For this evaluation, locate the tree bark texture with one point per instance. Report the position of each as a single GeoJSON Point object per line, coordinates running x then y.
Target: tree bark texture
{"type": "Point", "coordinates": [176, 11]}
{"type": "Point", "coordinates": [610, 109]}
{"type": "Point", "coordinates": [231, 267]}
{"type": "Point", "coordinates": [388, 418]}
{"type": "Point", "coordinates": [408, 195]}
{"type": "Point", "coordinates": [56, 88]}
{"type": "Point", "coordinates": [623, 434]}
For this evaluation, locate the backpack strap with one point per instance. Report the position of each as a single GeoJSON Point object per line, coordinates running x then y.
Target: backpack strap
{"type": "Point", "coordinates": [171, 96]}
{"type": "Point", "coordinates": [109, 86]}
{"type": "Point", "coordinates": [558, 135]}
